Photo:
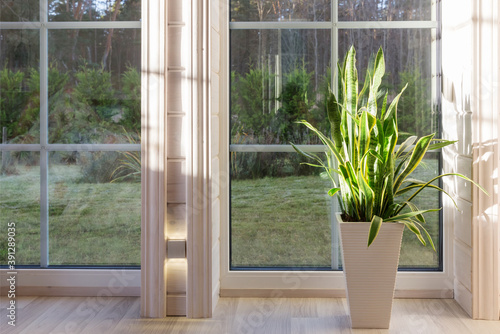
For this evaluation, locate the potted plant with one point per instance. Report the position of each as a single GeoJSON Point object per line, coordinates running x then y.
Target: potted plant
{"type": "Point", "coordinates": [371, 175]}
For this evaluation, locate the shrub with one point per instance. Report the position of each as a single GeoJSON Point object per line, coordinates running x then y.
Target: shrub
{"type": "Point", "coordinates": [131, 88]}
{"type": "Point", "coordinates": [94, 89]}
{"type": "Point", "coordinates": [98, 167]}
{"type": "Point", "coordinates": [13, 99]}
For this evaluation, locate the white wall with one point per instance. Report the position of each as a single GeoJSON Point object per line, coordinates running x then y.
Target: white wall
{"type": "Point", "coordinates": [470, 115]}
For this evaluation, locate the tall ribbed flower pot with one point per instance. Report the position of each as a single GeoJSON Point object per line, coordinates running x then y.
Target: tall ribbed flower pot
{"type": "Point", "coordinates": [370, 272]}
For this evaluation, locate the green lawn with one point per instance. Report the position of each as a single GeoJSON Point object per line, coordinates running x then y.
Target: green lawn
{"type": "Point", "coordinates": [275, 221]}
{"type": "Point", "coordinates": [286, 222]}
{"type": "Point", "coordinates": [89, 223]}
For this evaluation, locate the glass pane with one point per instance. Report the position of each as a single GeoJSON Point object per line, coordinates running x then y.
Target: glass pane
{"type": "Point", "coordinates": [408, 60]}
{"type": "Point", "coordinates": [19, 10]}
{"type": "Point", "coordinates": [20, 206]}
{"type": "Point", "coordinates": [19, 86]}
{"type": "Point", "coordinates": [95, 10]}
{"type": "Point", "coordinates": [280, 212]}
{"type": "Point", "coordinates": [95, 86]}
{"type": "Point", "coordinates": [413, 253]}
{"type": "Point", "coordinates": [95, 208]}
{"type": "Point", "coordinates": [277, 78]}
{"type": "Point", "coordinates": [385, 10]}
{"type": "Point", "coordinates": [270, 10]}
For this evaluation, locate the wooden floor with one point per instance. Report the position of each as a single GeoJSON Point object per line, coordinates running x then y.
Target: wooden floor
{"type": "Point", "coordinates": [233, 315]}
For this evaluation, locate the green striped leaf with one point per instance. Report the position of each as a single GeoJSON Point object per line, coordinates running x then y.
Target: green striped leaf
{"type": "Point", "coordinates": [375, 225]}
{"type": "Point", "coordinates": [418, 153]}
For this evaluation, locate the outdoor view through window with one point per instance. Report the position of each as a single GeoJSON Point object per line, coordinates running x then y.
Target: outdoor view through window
{"type": "Point", "coordinates": [70, 123]}
{"type": "Point", "coordinates": [283, 59]}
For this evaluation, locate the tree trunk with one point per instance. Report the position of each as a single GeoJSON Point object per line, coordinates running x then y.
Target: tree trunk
{"type": "Point", "coordinates": [110, 35]}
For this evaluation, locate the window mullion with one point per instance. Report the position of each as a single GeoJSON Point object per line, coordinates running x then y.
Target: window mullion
{"type": "Point", "coordinates": [44, 159]}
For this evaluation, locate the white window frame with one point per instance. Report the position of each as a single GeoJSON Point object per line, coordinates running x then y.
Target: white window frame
{"type": "Point", "coordinates": [64, 282]}
{"type": "Point", "coordinates": [301, 283]}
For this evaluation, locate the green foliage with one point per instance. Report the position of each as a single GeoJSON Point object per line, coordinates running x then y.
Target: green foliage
{"type": "Point", "coordinates": [13, 98]}
{"type": "Point", "coordinates": [372, 175]}
{"type": "Point", "coordinates": [98, 167]}
{"type": "Point", "coordinates": [129, 168]}
{"type": "Point", "coordinates": [296, 101]}
{"type": "Point", "coordinates": [94, 89]}
{"type": "Point", "coordinates": [251, 92]}
{"type": "Point", "coordinates": [131, 89]}
{"type": "Point", "coordinates": [414, 108]}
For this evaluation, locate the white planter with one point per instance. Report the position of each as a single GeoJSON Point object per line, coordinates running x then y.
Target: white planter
{"type": "Point", "coordinates": [370, 272]}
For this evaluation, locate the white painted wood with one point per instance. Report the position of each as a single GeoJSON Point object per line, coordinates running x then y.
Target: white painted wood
{"type": "Point", "coordinates": [215, 50]}
{"type": "Point", "coordinates": [176, 221]}
{"type": "Point", "coordinates": [176, 277]}
{"type": "Point", "coordinates": [175, 10]}
{"type": "Point", "coordinates": [199, 172]}
{"type": "Point", "coordinates": [177, 91]}
{"type": "Point", "coordinates": [463, 166]}
{"type": "Point", "coordinates": [215, 93]}
{"type": "Point", "coordinates": [370, 272]}
{"type": "Point", "coordinates": [215, 265]}
{"type": "Point", "coordinates": [463, 263]}
{"type": "Point", "coordinates": [216, 221]}
{"type": "Point", "coordinates": [485, 104]}
{"type": "Point", "coordinates": [463, 296]}
{"type": "Point", "coordinates": [176, 305]}
{"type": "Point", "coordinates": [59, 278]}
{"type": "Point", "coordinates": [462, 221]}
{"type": "Point", "coordinates": [74, 291]}
{"type": "Point", "coordinates": [327, 293]}
{"type": "Point", "coordinates": [215, 133]}
{"type": "Point", "coordinates": [215, 14]}
{"type": "Point", "coordinates": [153, 92]}
{"type": "Point", "coordinates": [175, 43]}
{"type": "Point", "coordinates": [215, 176]}
{"type": "Point", "coordinates": [176, 136]}
{"type": "Point", "coordinates": [176, 181]}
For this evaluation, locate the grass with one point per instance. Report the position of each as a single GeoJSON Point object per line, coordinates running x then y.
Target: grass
{"type": "Point", "coordinates": [285, 222]}
{"type": "Point", "coordinates": [89, 223]}
{"type": "Point", "coordinates": [275, 221]}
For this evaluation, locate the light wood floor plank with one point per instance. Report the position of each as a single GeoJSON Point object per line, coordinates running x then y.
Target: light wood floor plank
{"type": "Point", "coordinates": [121, 315]}
{"type": "Point", "coordinates": [61, 308]}
{"type": "Point", "coordinates": [109, 317]}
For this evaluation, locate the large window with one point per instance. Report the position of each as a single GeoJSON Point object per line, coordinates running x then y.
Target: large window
{"type": "Point", "coordinates": [70, 125]}
{"type": "Point", "coordinates": [283, 57]}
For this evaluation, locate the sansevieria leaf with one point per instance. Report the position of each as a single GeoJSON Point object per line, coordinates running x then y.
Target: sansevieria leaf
{"type": "Point", "coordinates": [375, 226]}
{"type": "Point", "coordinates": [369, 174]}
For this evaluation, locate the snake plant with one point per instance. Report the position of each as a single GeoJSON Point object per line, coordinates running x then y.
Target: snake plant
{"type": "Point", "coordinates": [370, 173]}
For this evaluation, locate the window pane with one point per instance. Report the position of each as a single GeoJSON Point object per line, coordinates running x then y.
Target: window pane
{"type": "Point", "coordinates": [385, 10]}
{"type": "Point", "coordinates": [94, 85]}
{"type": "Point", "coordinates": [94, 221]}
{"type": "Point", "coordinates": [20, 206]}
{"type": "Point", "coordinates": [95, 10]}
{"type": "Point", "coordinates": [277, 78]}
{"type": "Point", "coordinates": [19, 86]}
{"type": "Point", "coordinates": [19, 10]}
{"type": "Point", "coordinates": [408, 60]}
{"type": "Point", "coordinates": [280, 212]}
{"type": "Point", "coordinates": [413, 253]}
{"type": "Point", "coordinates": [269, 10]}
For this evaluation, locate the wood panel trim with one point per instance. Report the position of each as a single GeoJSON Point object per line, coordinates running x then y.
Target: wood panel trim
{"type": "Point", "coordinates": [327, 293]}
{"type": "Point", "coordinates": [153, 174]}
{"type": "Point", "coordinates": [486, 157]}
{"type": "Point", "coordinates": [77, 291]}
{"type": "Point", "coordinates": [199, 199]}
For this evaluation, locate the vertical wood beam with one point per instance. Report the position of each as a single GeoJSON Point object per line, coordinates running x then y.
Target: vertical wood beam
{"type": "Point", "coordinates": [485, 169]}
{"type": "Point", "coordinates": [153, 158]}
{"type": "Point", "coordinates": [199, 199]}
